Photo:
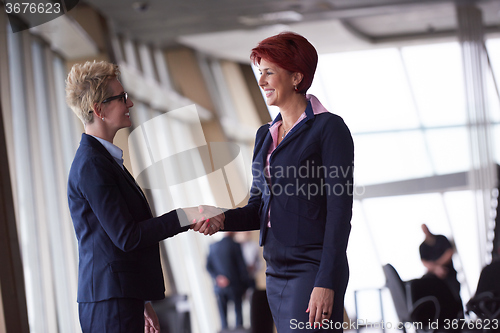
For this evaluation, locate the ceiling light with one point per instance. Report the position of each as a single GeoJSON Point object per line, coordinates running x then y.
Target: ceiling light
{"type": "Point", "coordinates": [285, 16]}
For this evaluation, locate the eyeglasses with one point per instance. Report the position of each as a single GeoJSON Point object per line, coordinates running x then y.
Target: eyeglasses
{"type": "Point", "coordinates": [123, 96]}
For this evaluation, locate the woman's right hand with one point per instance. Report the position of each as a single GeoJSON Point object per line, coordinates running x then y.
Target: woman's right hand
{"type": "Point", "coordinates": [205, 219]}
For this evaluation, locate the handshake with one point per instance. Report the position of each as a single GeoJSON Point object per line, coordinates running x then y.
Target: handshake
{"type": "Point", "coordinates": [205, 219]}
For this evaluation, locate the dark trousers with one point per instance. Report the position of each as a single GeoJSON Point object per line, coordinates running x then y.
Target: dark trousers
{"type": "Point", "coordinates": [222, 300]}
{"type": "Point", "coordinates": [116, 315]}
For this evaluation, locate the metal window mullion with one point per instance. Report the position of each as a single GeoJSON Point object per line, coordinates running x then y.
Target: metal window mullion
{"type": "Point", "coordinates": [482, 174]}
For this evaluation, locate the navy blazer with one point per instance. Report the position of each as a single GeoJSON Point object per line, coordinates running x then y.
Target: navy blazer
{"type": "Point", "coordinates": [117, 234]}
{"type": "Point", "coordinates": [226, 258]}
{"type": "Point", "coordinates": [309, 193]}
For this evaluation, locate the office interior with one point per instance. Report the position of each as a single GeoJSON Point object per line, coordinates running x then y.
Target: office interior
{"type": "Point", "coordinates": [417, 82]}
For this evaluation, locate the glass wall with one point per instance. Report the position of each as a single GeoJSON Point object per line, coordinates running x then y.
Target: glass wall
{"type": "Point", "coordinates": [406, 110]}
{"type": "Point", "coordinates": [43, 143]}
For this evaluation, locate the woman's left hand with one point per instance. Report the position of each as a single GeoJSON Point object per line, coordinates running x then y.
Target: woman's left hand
{"type": "Point", "coordinates": [151, 322]}
{"type": "Point", "coordinates": [320, 305]}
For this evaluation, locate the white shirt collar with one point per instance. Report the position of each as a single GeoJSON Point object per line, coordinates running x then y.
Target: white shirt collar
{"type": "Point", "coordinates": [115, 151]}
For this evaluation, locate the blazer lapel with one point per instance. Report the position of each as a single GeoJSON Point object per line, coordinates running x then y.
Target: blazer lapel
{"type": "Point", "coordinates": [304, 125]}
{"type": "Point", "coordinates": [265, 148]}
{"type": "Point", "coordinates": [126, 174]}
{"type": "Point", "coordinates": [131, 180]}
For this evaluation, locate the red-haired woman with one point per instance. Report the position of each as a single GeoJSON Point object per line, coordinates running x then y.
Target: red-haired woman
{"type": "Point", "coordinates": [301, 197]}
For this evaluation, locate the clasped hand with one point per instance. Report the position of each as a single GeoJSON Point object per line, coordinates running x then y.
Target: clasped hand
{"type": "Point", "coordinates": [205, 219]}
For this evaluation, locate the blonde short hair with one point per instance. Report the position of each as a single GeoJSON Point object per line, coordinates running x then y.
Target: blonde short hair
{"type": "Point", "coordinates": [86, 85]}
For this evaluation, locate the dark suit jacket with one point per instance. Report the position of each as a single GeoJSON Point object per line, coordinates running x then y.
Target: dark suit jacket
{"type": "Point", "coordinates": [225, 258]}
{"type": "Point", "coordinates": [310, 191]}
{"type": "Point", "coordinates": [117, 234]}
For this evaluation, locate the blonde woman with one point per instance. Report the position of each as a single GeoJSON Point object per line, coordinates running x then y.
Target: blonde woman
{"type": "Point", "coordinates": [119, 260]}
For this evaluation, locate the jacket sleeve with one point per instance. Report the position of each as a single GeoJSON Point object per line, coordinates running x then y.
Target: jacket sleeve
{"type": "Point", "coordinates": [100, 185]}
{"type": "Point", "coordinates": [247, 217]}
{"type": "Point", "coordinates": [337, 151]}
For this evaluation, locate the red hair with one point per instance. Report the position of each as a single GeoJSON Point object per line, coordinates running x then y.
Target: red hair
{"type": "Point", "coordinates": [291, 52]}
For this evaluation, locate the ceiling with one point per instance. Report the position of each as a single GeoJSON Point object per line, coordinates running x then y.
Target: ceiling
{"type": "Point", "coordinates": [229, 28]}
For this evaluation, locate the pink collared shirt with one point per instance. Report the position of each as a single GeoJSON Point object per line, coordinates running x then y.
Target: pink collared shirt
{"type": "Point", "coordinates": [317, 108]}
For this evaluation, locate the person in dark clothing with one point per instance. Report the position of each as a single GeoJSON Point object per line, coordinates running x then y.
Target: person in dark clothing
{"type": "Point", "coordinates": [119, 267]}
{"type": "Point", "coordinates": [436, 252]}
{"type": "Point", "coordinates": [488, 280]}
{"type": "Point", "coordinates": [299, 200]}
{"type": "Point", "coordinates": [226, 265]}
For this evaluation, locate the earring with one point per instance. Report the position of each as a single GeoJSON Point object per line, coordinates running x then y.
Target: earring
{"type": "Point", "coordinates": [102, 118]}
{"type": "Point", "coordinates": [295, 88]}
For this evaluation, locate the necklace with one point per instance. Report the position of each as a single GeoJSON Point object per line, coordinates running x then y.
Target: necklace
{"type": "Point", "coordinates": [284, 133]}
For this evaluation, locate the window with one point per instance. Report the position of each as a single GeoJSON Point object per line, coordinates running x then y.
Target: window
{"type": "Point", "coordinates": [406, 109]}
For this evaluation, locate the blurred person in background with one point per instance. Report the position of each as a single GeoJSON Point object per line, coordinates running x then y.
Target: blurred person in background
{"type": "Point", "coordinates": [436, 253]}
{"type": "Point", "coordinates": [226, 265]}
{"type": "Point", "coordinates": [251, 254]}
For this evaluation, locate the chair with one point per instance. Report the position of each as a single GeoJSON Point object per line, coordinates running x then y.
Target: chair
{"type": "Point", "coordinates": [407, 309]}
{"type": "Point", "coordinates": [486, 302]}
